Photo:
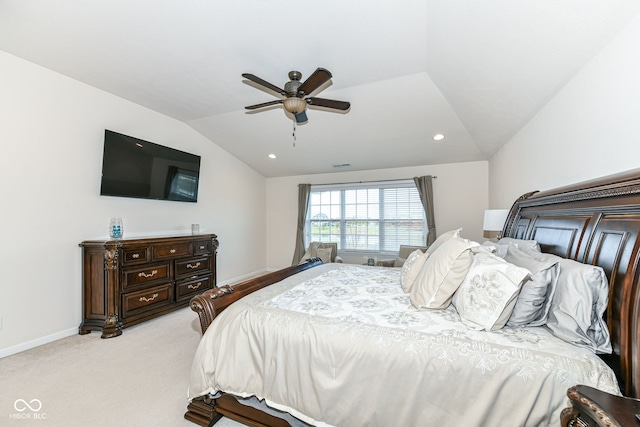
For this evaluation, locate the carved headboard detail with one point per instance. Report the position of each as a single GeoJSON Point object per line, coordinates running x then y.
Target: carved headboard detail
{"type": "Point", "coordinates": [595, 222]}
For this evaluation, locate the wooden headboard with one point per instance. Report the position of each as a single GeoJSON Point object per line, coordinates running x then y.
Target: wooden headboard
{"type": "Point", "coordinates": [595, 222]}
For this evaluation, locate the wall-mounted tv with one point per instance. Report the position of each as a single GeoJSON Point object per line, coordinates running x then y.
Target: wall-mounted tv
{"type": "Point", "coordinates": [135, 168]}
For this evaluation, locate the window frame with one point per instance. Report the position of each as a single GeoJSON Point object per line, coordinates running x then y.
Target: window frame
{"type": "Point", "coordinates": [382, 223]}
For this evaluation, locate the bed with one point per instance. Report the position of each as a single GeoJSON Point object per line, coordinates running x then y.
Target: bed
{"type": "Point", "coordinates": [362, 365]}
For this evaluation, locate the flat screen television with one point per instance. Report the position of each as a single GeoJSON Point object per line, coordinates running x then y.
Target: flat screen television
{"type": "Point", "coordinates": [141, 169]}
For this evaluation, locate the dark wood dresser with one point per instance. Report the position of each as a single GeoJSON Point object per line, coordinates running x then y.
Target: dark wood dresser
{"type": "Point", "coordinates": [128, 281]}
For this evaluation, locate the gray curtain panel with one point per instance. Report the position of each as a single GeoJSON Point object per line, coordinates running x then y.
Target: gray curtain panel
{"type": "Point", "coordinates": [304, 190]}
{"type": "Point", "coordinates": [424, 184]}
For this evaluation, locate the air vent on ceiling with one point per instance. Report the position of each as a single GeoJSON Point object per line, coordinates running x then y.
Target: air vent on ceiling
{"type": "Point", "coordinates": [342, 165]}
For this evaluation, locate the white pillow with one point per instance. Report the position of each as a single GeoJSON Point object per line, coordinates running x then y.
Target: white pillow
{"type": "Point", "coordinates": [488, 294]}
{"type": "Point", "coordinates": [443, 238]}
{"type": "Point", "coordinates": [411, 269]}
{"type": "Point", "coordinates": [442, 273]}
{"type": "Point", "coordinates": [324, 254]}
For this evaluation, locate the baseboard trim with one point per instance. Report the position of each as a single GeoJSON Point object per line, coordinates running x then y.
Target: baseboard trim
{"type": "Point", "coordinates": [18, 348]}
{"type": "Point", "coordinates": [37, 342]}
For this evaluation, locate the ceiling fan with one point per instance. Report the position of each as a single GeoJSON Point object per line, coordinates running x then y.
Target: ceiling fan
{"type": "Point", "coordinates": [296, 94]}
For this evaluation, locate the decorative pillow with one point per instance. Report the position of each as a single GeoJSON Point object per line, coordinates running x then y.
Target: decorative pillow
{"type": "Point", "coordinates": [524, 245]}
{"type": "Point", "coordinates": [488, 293]}
{"type": "Point", "coordinates": [442, 273]}
{"type": "Point", "coordinates": [534, 300]}
{"type": "Point", "coordinates": [324, 254]}
{"type": "Point", "coordinates": [310, 252]}
{"type": "Point", "coordinates": [443, 238]}
{"type": "Point", "coordinates": [411, 268]}
{"type": "Point", "coordinates": [579, 303]}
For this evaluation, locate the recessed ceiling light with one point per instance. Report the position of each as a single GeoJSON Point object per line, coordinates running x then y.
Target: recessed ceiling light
{"type": "Point", "coordinates": [438, 137]}
{"type": "Point", "coordinates": [272, 156]}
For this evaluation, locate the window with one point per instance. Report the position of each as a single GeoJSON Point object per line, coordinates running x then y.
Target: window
{"type": "Point", "coordinates": [367, 217]}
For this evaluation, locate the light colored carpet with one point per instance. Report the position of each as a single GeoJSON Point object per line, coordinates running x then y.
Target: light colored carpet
{"type": "Point", "coordinates": [138, 379]}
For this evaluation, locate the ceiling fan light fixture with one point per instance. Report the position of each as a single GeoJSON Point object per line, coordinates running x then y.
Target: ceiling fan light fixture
{"type": "Point", "coordinates": [294, 105]}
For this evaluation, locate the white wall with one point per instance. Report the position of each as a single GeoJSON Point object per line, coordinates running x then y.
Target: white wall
{"type": "Point", "coordinates": [460, 197]}
{"type": "Point", "coordinates": [51, 140]}
{"type": "Point", "coordinates": [591, 128]}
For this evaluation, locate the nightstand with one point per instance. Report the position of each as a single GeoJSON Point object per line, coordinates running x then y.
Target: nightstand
{"type": "Point", "coordinates": [591, 407]}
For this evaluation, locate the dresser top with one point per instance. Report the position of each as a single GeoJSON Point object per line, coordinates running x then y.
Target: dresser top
{"type": "Point", "coordinates": [149, 239]}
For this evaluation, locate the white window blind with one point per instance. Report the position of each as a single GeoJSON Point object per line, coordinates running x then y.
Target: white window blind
{"type": "Point", "coordinates": [368, 217]}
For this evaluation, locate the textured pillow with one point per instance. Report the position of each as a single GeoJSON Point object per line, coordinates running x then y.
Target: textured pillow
{"type": "Point", "coordinates": [442, 273]}
{"type": "Point", "coordinates": [578, 305]}
{"type": "Point", "coordinates": [488, 293]}
{"type": "Point", "coordinates": [534, 300]}
{"type": "Point", "coordinates": [443, 238]}
{"type": "Point", "coordinates": [324, 254]}
{"type": "Point", "coordinates": [411, 268]}
{"type": "Point", "coordinates": [524, 245]}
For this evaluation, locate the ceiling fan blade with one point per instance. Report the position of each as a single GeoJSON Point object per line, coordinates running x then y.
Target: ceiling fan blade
{"type": "Point", "coordinates": [264, 83]}
{"type": "Point", "coordinates": [264, 104]}
{"type": "Point", "coordinates": [329, 103]}
{"type": "Point", "coordinates": [301, 118]}
{"type": "Point", "coordinates": [315, 80]}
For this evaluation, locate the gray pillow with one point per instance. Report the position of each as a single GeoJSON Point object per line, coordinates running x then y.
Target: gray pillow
{"type": "Point", "coordinates": [534, 300]}
{"type": "Point", "coordinates": [524, 245]}
{"type": "Point", "coordinates": [497, 249]}
{"type": "Point", "coordinates": [579, 303]}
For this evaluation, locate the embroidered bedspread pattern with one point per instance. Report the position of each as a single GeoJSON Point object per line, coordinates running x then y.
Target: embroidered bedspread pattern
{"type": "Point", "coordinates": [311, 348]}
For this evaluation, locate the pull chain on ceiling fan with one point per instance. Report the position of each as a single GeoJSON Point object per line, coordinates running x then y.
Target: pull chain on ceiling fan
{"type": "Point", "coordinates": [296, 94]}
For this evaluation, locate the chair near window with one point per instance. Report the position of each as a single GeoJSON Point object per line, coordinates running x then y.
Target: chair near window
{"type": "Point", "coordinates": [327, 252]}
{"type": "Point", "coordinates": [403, 254]}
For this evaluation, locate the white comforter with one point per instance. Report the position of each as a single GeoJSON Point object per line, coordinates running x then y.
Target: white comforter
{"type": "Point", "coordinates": [342, 345]}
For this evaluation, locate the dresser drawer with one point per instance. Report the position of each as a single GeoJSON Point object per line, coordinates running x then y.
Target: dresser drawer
{"type": "Point", "coordinates": [145, 274]}
{"type": "Point", "coordinates": [202, 247]}
{"type": "Point", "coordinates": [136, 255]}
{"type": "Point", "coordinates": [189, 287]}
{"type": "Point", "coordinates": [173, 250]}
{"type": "Point", "coordinates": [147, 299]}
{"type": "Point", "coordinates": [192, 267]}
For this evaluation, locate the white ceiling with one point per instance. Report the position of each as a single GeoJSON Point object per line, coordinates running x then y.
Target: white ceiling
{"type": "Point", "coordinates": [475, 71]}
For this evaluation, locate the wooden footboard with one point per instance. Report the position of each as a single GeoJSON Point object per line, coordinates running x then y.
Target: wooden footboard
{"type": "Point", "coordinates": [205, 411]}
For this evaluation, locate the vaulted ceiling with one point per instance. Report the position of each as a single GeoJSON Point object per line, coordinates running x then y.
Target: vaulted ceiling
{"type": "Point", "coordinates": [475, 71]}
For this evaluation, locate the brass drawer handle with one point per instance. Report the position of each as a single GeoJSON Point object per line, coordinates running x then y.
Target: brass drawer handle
{"type": "Point", "coordinates": [145, 299]}
{"type": "Point", "coordinates": [196, 265]}
{"type": "Point", "coordinates": [135, 256]}
{"type": "Point", "coordinates": [196, 286]}
{"type": "Point", "coordinates": [153, 273]}
{"type": "Point", "coordinates": [173, 251]}
{"type": "Point", "coordinates": [202, 247]}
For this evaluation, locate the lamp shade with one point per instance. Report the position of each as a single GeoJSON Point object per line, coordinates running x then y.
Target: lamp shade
{"type": "Point", "coordinates": [494, 222]}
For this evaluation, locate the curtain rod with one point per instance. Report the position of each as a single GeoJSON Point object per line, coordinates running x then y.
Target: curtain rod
{"type": "Point", "coordinates": [375, 180]}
